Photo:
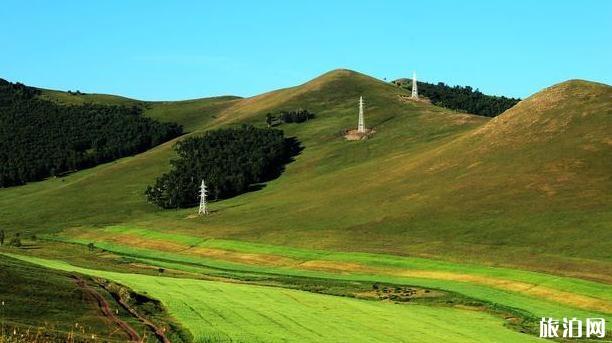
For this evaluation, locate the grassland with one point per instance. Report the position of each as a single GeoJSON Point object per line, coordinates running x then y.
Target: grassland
{"type": "Point", "coordinates": [514, 212]}
{"type": "Point", "coordinates": [454, 186]}
{"type": "Point", "coordinates": [509, 292]}
{"type": "Point", "coordinates": [224, 312]}
{"type": "Point", "coordinates": [51, 307]}
{"type": "Point", "coordinates": [534, 293]}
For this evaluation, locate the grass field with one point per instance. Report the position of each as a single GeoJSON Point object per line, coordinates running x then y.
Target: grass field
{"type": "Point", "coordinates": [535, 293]}
{"type": "Point", "coordinates": [514, 212]}
{"type": "Point", "coordinates": [52, 306]}
{"type": "Point", "coordinates": [224, 312]}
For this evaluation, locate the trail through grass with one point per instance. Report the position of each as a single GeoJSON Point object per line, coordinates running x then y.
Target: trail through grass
{"type": "Point", "coordinates": [217, 311]}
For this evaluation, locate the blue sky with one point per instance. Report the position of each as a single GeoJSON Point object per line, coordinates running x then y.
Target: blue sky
{"type": "Point", "coordinates": [157, 50]}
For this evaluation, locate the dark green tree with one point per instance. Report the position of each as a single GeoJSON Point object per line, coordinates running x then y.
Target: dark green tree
{"type": "Point", "coordinates": [459, 98]}
{"type": "Point", "coordinates": [230, 161]}
{"type": "Point", "coordinates": [16, 240]}
{"type": "Point", "coordinates": [40, 138]}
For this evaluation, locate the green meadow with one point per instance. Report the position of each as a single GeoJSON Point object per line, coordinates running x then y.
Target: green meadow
{"type": "Point", "coordinates": [228, 312]}
{"type": "Point", "coordinates": [105, 237]}
{"type": "Point", "coordinates": [532, 294]}
{"type": "Point", "coordinates": [513, 213]}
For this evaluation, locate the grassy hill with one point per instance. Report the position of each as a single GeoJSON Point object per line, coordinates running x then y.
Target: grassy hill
{"type": "Point", "coordinates": [435, 199]}
{"type": "Point", "coordinates": [430, 182]}
{"type": "Point", "coordinates": [192, 114]}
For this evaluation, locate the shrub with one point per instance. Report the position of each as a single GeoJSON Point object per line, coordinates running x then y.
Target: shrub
{"type": "Point", "coordinates": [15, 242]}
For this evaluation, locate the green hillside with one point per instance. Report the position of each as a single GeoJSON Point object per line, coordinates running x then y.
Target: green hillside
{"type": "Point", "coordinates": [512, 212]}
{"type": "Point", "coordinates": [192, 114]}
{"type": "Point", "coordinates": [455, 186]}
{"type": "Point", "coordinates": [252, 313]}
{"type": "Point", "coordinates": [48, 309]}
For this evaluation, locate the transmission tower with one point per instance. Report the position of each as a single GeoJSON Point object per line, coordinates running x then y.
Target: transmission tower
{"type": "Point", "coordinates": [203, 204]}
{"type": "Point", "coordinates": [415, 92]}
{"type": "Point", "coordinates": [361, 125]}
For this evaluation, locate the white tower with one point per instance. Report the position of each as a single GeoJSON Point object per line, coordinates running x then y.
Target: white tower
{"type": "Point", "coordinates": [203, 205]}
{"type": "Point", "coordinates": [415, 92]}
{"type": "Point", "coordinates": [361, 125]}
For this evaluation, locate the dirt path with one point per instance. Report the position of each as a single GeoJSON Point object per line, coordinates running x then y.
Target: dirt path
{"type": "Point", "coordinates": [159, 332]}
{"type": "Point", "coordinates": [106, 310]}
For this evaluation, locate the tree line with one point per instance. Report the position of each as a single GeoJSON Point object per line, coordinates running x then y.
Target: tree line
{"type": "Point", "coordinates": [460, 98]}
{"type": "Point", "coordinates": [230, 161]}
{"type": "Point", "coordinates": [297, 116]}
{"type": "Point", "coordinates": [40, 138]}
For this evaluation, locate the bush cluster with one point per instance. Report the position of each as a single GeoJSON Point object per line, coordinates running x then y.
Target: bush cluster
{"type": "Point", "coordinates": [297, 116]}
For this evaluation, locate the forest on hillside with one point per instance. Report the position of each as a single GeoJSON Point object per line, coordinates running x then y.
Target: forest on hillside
{"type": "Point", "coordinates": [230, 161]}
{"type": "Point", "coordinates": [459, 98]}
{"type": "Point", "coordinates": [41, 138]}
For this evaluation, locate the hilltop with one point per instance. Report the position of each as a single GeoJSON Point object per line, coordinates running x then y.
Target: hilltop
{"type": "Point", "coordinates": [189, 113]}
{"type": "Point", "coordinates": [432, 182]}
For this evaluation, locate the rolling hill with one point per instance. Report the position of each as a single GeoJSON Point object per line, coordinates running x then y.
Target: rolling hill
{"type": "Point", "coordinates": [455, 186]}
{"type": "Point", "coordinates": [435, 198]}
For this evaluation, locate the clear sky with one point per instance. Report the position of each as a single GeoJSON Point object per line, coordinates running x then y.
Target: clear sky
{"type": "Point", "coordinates": [157, 50]}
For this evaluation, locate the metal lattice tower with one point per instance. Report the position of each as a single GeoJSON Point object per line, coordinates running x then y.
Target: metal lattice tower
{"type": "Point", "coordinates": [203, 204]}
{"type": "Point", "coordinates": [361, 125]}
{"type": "Point", "coordinates": [415, 92]}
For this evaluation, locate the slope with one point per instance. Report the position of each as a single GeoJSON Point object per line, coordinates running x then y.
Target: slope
{"type": "Point", "coordinates": [113, 192]}
{"type": "Point", "coordinates": [532, 183]}
{"type": "Point", "coordinates": [189, 113]}
{"type": "Point", "coordinates": [231, 312]}
{"type": "Point", "coordinates": [431, 182]}
{"type": "Point", "coordinates": [54, 306]}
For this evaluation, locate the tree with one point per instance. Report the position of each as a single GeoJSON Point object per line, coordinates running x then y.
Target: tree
{"type": "Point", "coordinates": [40, 138]}
{"type": "Point", "coordinates": [91, 247]}
{"type": "Point", "coordinates": [16, 240]}
{"type": "Point", "coordinates": [1, 237]}
{"type": "Point", "coordinates": [228, 160]}
{"type": "Point", "coordinates": [460, 98]}
{"type": "Point", "coordinates": [298, 116]}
